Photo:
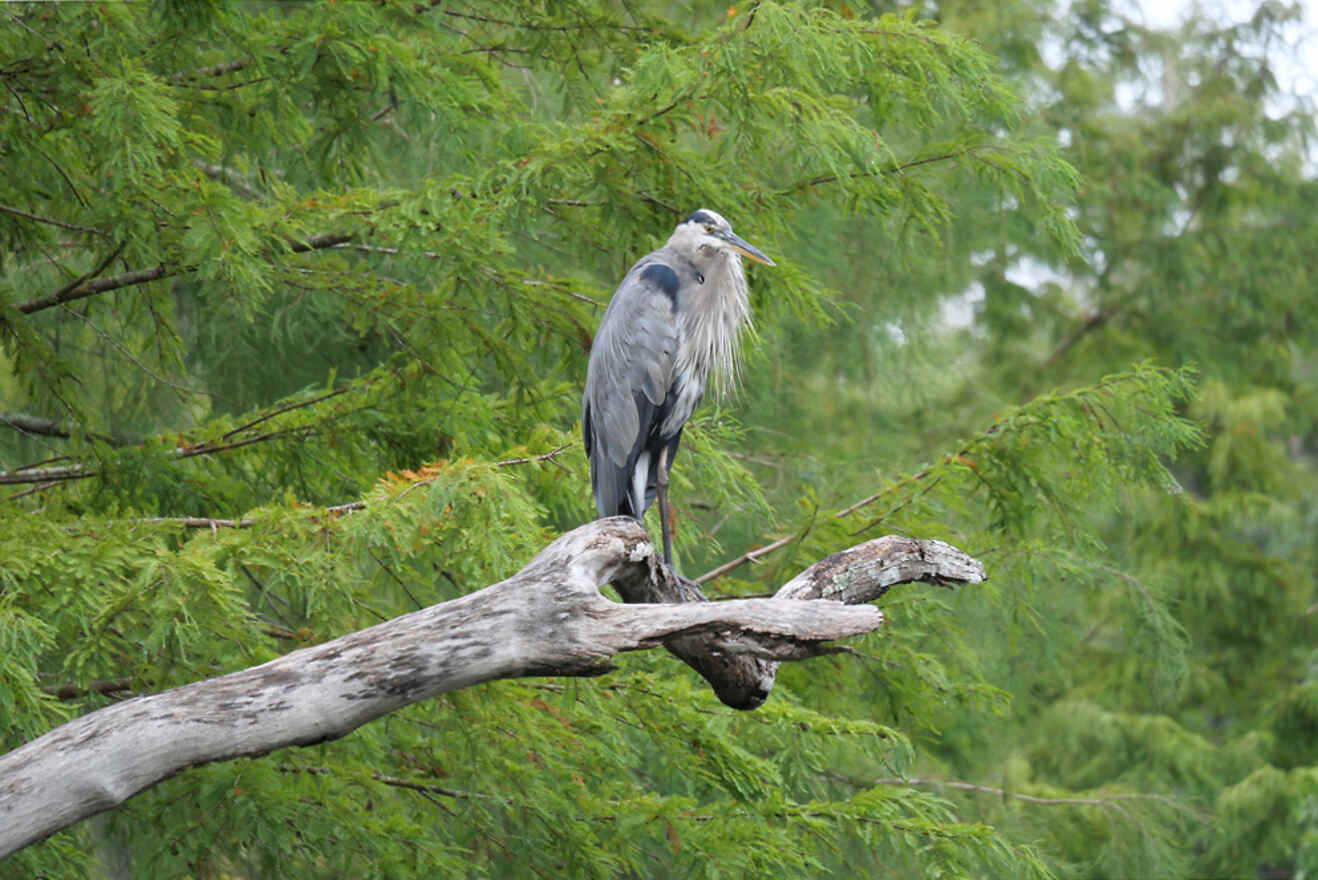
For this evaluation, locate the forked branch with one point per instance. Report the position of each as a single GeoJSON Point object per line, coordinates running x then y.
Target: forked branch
{"type": "Point", "coordinates": [549, 619]}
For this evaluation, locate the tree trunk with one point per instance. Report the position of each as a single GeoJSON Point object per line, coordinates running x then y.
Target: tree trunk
{"type": "Point", "coordinates": [549, 619]}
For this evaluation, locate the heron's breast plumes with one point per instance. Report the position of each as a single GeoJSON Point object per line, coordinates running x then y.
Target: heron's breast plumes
{"type": "Point", "coordinates": [711, 324]}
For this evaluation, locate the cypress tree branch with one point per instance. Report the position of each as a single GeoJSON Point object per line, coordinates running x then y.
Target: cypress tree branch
{"type": "Point", "coordinates": [562, 28]}
{"type": "Point", "coordinates": [879, 172]}
{"type": "Point", "coordinates": [229, 176]}
{"type": "Point", "coordinates": [286, 408]}
{"type": "Point", "coordinates": [205, 522]}
{"type": "Point", "coordinates": [199, 522]}
{"type": "Point", "coordinates": [213, 70]}
{"type": "Point", "coordinates": [1093, 321]}
{"type": "Point", "coordinates": [962, 457]}
{"type": "Point", "coordinates": [548, 619]}
{"type": "Point", "coordinates": [30, 424]}
{"type": "Point", "coordinates": [62, 224]}
{"type": "Point", "coordinates": [1109, 802]}
{"type": "Point", "coordinates": [320, 242]}
{"type": "Point", "coordinates": [82, 288]}
{"type": "Point", "coordinates": [39, 487]}
{"type": "Point", "coordinates": [49, 475]}
{"type": "Point", "coordinates": [103, 686]}
{"type": "Point", "coordinates": [83, 471]}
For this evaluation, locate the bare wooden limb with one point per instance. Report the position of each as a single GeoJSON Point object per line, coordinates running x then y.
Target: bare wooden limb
{"type": "Point", "coordinates": [739, 672]}
{"type": "Point", "coordinates": [549, 619]}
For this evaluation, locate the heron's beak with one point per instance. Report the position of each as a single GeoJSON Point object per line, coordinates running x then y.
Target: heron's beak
{"type": "Point", "coordinates": [745, 248]}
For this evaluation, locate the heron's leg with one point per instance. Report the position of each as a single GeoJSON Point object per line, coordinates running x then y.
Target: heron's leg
{"type": "Point", "coordinates": [661, 484]}
{"type": "Point", "coordinates": [689, 588]}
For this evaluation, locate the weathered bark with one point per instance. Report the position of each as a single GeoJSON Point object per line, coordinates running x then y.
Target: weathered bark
{"type": "Point", "coordinates": [732, 661]}
{"type": "Point", "coordinates": [549, 619]}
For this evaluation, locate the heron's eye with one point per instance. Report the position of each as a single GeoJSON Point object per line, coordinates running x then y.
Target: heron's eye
{"type": "Point", "coordinates": [709, 229]}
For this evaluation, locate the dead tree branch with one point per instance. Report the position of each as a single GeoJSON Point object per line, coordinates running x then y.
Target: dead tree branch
{"type": "Point", "coordinates": [549, 619]}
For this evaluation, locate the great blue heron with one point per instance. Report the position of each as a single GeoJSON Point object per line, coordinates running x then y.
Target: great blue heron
{"type": "Point", "coordinates": [674, 318]}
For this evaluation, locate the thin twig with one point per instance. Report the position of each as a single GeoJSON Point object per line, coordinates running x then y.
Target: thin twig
{"type": "Point", "coordinates": [103, 686]}
{"type": "Point", "coordinates": [82, 289]}
{"type": "Point", "coordinates": [197, 522]}
{"type": "Point", "coordinates": [1093, 321]}
{"type": "Point", "coordinates": [749, 556]}
{"type": "Point", "coordinates": [376, 249]}
{"type": "Point", "coordinates": [396, 783]}
{"type": "Point", "coordinates": [128, 355]}
{"type": "Point", "coordinates": [33, 474]}
{"type": "Point", "coordinates": [548, 456]}
{"type": "Point", "coordinates": [283, 409]}
{"type": "Point", "coordinates": [1107, 801]}
{"type": "Point", "coordinates": [40, 487]}
{"type": "Point", "coordinates": [229, 176]}
{"type": "Point", "coordinates": [561, 289]}
{"type": "Point", "coordinates": [320, 242]}
{"type": "Point", "coordinates": [62, 295]}
{"type": "Point", "coordinates": [879, 172]}
{"type": "Point", "coordinates": [50, 220]}
{"type": "Point", "coordinates": [752, 555]}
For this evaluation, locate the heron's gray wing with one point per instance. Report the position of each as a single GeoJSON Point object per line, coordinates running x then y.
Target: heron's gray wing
{"type": "Point", "coordinates": [629, 380]}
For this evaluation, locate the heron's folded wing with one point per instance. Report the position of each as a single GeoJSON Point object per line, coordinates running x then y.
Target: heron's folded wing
{"type": "Point", "coordinates": [630, 373]}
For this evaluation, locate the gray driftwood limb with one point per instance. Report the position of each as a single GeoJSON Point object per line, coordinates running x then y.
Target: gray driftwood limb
{"type": "Point", "coordinates": [741, 668]}
{"type": "Point", "coordinates": [549, 619]}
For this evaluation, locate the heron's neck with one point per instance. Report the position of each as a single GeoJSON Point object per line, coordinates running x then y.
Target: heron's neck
{"type": "Point", "coordinates": [712, 320]}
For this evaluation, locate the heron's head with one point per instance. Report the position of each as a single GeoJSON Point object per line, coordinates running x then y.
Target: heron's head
{"type": "Point", "coordinates": [706, 233]}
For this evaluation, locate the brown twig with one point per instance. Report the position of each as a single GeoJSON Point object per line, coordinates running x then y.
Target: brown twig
{"type": "Point", "coordinates": [749, 556]}
{"type": "Point", "coordinates": [34, 474]}
{"type": "Point", "coordinates": [547, 456]}
{"type": "Point", "coordinates": [103, 686]}
{"type": "Point", "coordinates": [40, 487]}
{"type": "Point", "coordinates": [283, 409]}
{"type": "Point", "coordinates": [1093, 321]}
{"type": "Point", "coordinates": [878, 172]}
{"type": "Point", "coordinates": [50, 220]}
{"type": "Point", "coordinates": [81, 288]}
{"type": "Point", "coordinates": [752, 555]}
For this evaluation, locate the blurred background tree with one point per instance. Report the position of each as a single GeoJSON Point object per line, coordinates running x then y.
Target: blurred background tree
{"type": "Point", "coordinates": [300, 295]}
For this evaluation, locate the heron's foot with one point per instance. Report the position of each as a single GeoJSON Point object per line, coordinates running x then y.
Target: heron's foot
{"type": "Point", "coordinates": [687, 589]}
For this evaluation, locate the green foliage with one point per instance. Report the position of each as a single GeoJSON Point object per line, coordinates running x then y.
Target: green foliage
{"type": "Point", "coordinates": [323, 277]}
